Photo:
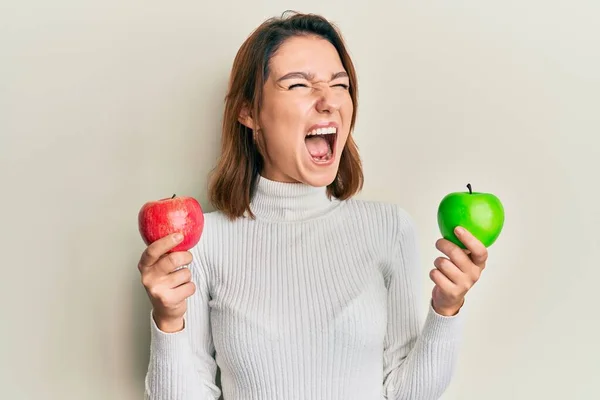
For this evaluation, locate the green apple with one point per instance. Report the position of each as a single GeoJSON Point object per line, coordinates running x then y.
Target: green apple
{"type": "Point", "coordinates": [482, 214]}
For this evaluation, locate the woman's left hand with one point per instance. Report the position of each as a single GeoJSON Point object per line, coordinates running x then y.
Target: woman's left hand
{"type": "Point", "coordinates": [456, 274]}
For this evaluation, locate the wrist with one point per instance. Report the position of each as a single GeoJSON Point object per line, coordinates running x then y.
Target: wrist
{"type": "Point", "coordinates": [169, 325]}
{"type": "Point", "coordinates": [447, 311]}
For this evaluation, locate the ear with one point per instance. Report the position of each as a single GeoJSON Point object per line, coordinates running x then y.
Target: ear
{"type": "Point", "coordinates": [246, 119]}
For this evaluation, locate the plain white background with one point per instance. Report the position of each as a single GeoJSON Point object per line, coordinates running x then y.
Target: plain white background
{"type": "Point", "coordinates": [107, 104]}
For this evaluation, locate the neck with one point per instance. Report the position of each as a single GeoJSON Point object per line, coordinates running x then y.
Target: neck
{"type": "Point", "coordinates": [289, 201]}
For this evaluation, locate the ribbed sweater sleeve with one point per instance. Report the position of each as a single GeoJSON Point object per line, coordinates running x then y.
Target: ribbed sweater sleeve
{"type": "Point", "coordinates": [182, 364]}
{"type": "Point", "coordinates": [419, 358]}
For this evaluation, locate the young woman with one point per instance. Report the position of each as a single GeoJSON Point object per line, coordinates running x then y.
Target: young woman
{"type": "Point", "coordinates": [297, 290]}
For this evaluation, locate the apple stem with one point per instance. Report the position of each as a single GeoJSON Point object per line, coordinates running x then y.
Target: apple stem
{"type": "Point", "coordinates": [173, 197]}
{"type": "Point", "coordinates": [469, 187]}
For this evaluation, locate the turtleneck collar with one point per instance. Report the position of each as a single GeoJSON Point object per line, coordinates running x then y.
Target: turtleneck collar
{"type": "Point", "coordinates": [289, 201]}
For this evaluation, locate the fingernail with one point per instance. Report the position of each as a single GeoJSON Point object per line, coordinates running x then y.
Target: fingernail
{"type": "Point", "coordinates": [178, 237]}
{"type": "Point", "coordinates": [459, 230]}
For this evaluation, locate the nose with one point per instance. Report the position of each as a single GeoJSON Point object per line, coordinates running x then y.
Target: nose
{"type": "Point", "coordinates": [327, 101]}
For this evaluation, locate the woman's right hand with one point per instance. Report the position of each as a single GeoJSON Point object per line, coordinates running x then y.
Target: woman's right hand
{"type": "Point", "coordinates": [168, 286]}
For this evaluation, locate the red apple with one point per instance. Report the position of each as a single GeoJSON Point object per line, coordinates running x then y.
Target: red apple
{"type": "Point", "coordinates": [163, 217]}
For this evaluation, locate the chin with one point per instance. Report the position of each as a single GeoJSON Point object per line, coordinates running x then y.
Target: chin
{"type": "Point", "coordinates": [320, 180]}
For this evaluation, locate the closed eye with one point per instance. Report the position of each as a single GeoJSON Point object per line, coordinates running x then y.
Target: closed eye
{"type": "Point", "coordinates": [346, 87]}
{"type": "Point", "coordinates": [297, 85]}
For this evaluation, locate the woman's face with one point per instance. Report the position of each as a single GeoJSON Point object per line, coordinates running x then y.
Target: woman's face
{"type": "Point", "coordinates": [306, 113]}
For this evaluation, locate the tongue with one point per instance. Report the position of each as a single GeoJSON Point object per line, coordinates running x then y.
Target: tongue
{"type": "Point", "coordinates": [317, 146]}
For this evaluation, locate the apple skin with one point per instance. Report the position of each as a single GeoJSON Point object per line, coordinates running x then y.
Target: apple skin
{"type": "Point", "coordinates": [159, 218]}
{"type": "Point", "coordinates": [482, 214]}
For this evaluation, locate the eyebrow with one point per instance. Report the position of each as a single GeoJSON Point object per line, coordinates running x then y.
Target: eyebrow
{"type": "Point", "coordinates": [308, 76]}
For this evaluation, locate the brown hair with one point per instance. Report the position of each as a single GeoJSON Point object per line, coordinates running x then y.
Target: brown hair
{"type": "Point", "coordinates": [234, 178]}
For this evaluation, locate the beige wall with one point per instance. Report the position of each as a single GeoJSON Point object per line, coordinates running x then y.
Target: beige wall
{"type": "Point", "coordinates": [107, 104]}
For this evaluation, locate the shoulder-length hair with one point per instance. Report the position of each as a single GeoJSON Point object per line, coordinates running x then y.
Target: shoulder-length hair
{"type": "Point", "coordinates": [234, 178]}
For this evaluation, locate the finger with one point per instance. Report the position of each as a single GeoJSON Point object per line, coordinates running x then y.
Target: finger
{"type": "Point", "coordinates": [184, 291]}
{"type": "Point", "coordinates": [455, 254]}
{"type": "Point", "coordinates": [441, 280]}
{"type": "Point", "coordinates": [479, 253]}
{"type": "Point", "coordinates": [451, 271]}
{"type": "Point", "coordinates": [179, 277]}
{"type": "Point", "coordinates": [158, 248]}
{"type": "Point", "coordinates": [172, 261]}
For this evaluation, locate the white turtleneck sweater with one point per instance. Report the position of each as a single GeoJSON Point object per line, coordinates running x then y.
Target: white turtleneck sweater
{"type": "Point", "coordinates": [312, 300]}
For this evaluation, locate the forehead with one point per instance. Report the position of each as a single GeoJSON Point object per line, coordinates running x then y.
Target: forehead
{"type": "Point", "coordinates": [307, 54]}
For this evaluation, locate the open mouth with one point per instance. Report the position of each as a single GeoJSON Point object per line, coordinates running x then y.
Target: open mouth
{"type": "Point", "coordinates": [320, 143]}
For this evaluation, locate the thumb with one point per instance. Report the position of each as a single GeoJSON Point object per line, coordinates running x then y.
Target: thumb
{"type": "Point", "coordinates": [434, 291]}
